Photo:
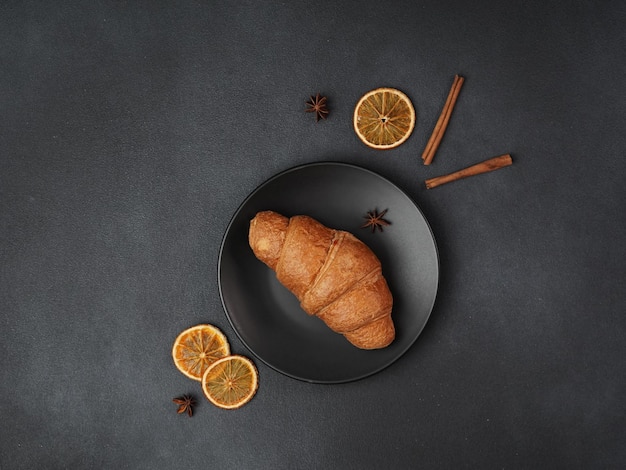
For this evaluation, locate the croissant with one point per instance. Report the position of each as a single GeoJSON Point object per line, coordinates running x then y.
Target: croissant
{"type": "Point", "coordinates": [335, 276]}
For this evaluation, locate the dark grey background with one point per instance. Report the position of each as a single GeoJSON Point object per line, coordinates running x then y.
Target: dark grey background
{"type": "Point", "coordinates": [131, 131]}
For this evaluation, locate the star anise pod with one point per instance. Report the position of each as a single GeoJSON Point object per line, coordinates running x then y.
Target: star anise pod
{"type": "Point", "coordinates": [375, 220]}
{"type": "Point", "coordinates": [317, 105]}
{"type": "Point", "coordinates": [185, 403]}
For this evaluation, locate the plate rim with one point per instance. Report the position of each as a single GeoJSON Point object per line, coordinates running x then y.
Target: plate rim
{"type": "Point", "coordinates": [299, 168]}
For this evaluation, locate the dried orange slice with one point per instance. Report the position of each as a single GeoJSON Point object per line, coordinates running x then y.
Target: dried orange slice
{"type": "Point", "coordinates": [230, 382]}
{"type": "Point", "coordinates": [384, 118]}
{"type": "Point", "coordinates": [196, 348]}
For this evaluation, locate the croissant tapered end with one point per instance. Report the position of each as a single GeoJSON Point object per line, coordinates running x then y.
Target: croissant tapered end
{"type": "Point", "coordinates": [267, 236]}
{"type": "Point", "coordinates": [375, 335]}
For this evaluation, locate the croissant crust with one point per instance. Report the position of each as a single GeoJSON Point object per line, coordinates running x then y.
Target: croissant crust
{"type": "Point", "coordinates": [335, 276]}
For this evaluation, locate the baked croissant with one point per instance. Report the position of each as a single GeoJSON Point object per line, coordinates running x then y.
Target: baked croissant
{"type": "Point", "coordinates": [335, 276]}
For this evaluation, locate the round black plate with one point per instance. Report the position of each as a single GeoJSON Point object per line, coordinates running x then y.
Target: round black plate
{"type": "Point", "coordinates": [267, 317]}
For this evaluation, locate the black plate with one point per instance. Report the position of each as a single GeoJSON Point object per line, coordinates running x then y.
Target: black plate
{"type": "Point", "coordinates": [267, 317]}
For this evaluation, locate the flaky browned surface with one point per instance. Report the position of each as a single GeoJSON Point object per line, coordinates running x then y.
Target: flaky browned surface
{"type": "Point", "coordinates": [334, 275]}
{"type": "Point", "coordinates": [267, 236]}
{"type": "Point", "coordinates": [380, 331]}
{"type": "Point", "coordinates": [306, 245]}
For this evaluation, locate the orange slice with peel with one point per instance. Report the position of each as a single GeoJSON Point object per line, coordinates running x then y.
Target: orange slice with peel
{"type": "Point", "coordinates": [384, 118]}
{"type": "Point", "coordinates": [196, 348]}
{"type": "Point", "coordinates": [230, 382]}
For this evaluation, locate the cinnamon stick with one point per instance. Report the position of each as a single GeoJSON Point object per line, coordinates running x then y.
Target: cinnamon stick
{"type": "Point", "coordinates": [483, 167]}
{"type": "Point", "coordinates": [442, 122]}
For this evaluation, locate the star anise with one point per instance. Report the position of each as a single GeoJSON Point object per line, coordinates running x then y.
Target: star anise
{"type": "Point", "coordinates": [375, 220]}
{"type": "Point", "coordinates": [317, 105]}
{"type": "Point", "coordinates": [185, 403]}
